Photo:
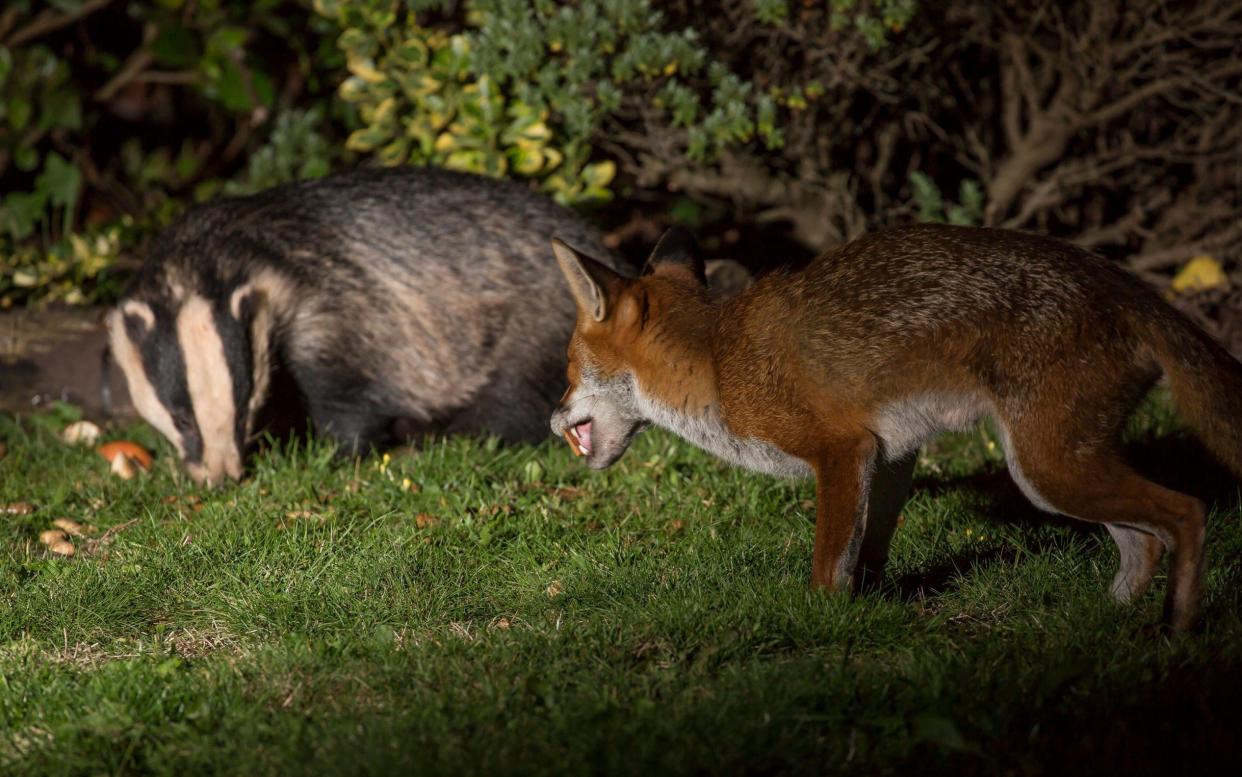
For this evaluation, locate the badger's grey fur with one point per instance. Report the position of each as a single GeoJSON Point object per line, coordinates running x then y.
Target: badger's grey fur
{"type": "Point", "coordinates": [398, 301]}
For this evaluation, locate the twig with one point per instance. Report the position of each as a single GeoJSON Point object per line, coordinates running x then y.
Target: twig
{"type": "Point", "coordinates": [48, 22]}
{"type": "Point", "coordinates": [1169, 256]}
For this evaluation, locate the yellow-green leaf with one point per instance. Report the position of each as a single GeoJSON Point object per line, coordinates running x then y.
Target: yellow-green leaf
{"type": "Point", "coordinates": [1201, 273]}
{"type": "Point", "coordinates": [364, 68]}
{"type": "Point", "coordinates": [599, 174]}
{"type": "Point", "coordinates": [445, 143]}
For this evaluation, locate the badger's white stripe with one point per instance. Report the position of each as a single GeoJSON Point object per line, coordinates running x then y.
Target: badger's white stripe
{"type": "Point", "coordinates": [210, 385]}
{"type": "Point", "coordinates": [141, 392]}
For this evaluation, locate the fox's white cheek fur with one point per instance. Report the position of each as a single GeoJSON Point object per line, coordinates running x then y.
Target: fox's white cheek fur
{"type": "Point", "coordinates": [709, 431]}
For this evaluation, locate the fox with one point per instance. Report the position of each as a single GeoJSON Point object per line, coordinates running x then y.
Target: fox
{"type": "Point", "coordinates": [840, 370]}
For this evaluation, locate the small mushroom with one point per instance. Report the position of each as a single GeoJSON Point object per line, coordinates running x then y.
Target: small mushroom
{"type": "Point", "coordinates": [123, 467]}
{"type": "Point", "coordinates": [80, 433]}
{"type": "Point", "coordinates": [71, 527]}
{"type": "Point", "coordinates": [125, 449]}
{"type": "Point", "coordinates": [51, 536]}
{"type": "Point", "coordinates": [62, 548]}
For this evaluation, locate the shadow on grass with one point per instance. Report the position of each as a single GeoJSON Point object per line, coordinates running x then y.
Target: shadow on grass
{"type": "Point", "coordinates": [1177, 462]}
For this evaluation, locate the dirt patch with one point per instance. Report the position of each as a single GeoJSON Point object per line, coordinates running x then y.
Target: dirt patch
{"type": "Point", "coordinates": [188, 643]}
{"type": "Point", "coordinates": [56, 353]}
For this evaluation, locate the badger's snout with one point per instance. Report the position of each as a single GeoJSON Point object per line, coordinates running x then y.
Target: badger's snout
{"type": "Point", "coordinates": [216, 472]}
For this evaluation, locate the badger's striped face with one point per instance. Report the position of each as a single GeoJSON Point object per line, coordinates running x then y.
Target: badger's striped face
{"type": "Point", "coordinates": [191, 370]}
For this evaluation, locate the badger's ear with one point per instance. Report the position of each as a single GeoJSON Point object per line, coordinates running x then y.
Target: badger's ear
{"type": "Point", "coordinates": [250, 306]}
{"type": "Point", "coordinates": [593, 284]}
{"type": "Point", "coordinates": [244, 302]}
{"type": "Point", "coordinates": [677, 251]}
{"type": "Point", "coordinates": [134, 318]}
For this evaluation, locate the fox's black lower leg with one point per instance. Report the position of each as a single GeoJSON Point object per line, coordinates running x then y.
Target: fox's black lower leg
{"type": "Point", "coordinates": [890, 485]}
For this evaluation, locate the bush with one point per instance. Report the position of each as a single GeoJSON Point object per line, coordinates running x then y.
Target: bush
{"type": "Point", "coordinates": [113, 114]}
{"type": "Point", "coordinates": [1099, 122]}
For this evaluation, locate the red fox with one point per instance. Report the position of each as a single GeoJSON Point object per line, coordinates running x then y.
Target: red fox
{"type": "Point", "coordinates": [843, 369]}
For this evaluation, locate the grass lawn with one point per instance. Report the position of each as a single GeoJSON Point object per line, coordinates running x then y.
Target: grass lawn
{"type": "Point", "coordinates": [465, 608]}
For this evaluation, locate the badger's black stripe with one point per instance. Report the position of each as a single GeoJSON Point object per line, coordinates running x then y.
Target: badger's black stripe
{"type": "Point", "coordinates": [239, 355]}
{"type": "Point", "coordinates": [164, 364]}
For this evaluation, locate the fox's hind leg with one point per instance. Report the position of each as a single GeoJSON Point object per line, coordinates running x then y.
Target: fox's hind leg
{"type": "Point", "coordinates": [1140, 555]}
{"type": "Point", "coordinates": [1065, 468]}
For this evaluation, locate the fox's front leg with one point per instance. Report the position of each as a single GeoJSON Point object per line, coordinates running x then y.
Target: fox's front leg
{"type": "Point", "coordinates": [843, 475]}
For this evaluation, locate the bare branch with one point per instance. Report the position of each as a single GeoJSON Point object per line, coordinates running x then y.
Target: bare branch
{"type": "Point", "coordinates": [49, 21]}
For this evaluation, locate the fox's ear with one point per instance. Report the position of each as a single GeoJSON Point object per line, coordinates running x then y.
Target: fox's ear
{"type": "Point", "coordinates": [677, 248]}
{"type": "Point", "coordinates": [590, 281]}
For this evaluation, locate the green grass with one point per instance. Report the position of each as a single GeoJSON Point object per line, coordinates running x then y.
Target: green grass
{"type": "Point", "coordinates": [541, 618]}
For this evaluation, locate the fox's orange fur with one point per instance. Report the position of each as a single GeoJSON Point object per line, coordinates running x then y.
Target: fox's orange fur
{"type": "Point", "coordinates": [843, 369]}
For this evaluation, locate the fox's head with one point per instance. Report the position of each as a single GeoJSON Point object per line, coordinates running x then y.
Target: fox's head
{"type": "Point", "coordinates": [633, 349]}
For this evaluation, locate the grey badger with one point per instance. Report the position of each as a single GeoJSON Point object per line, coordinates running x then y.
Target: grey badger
{"type": "Point", "coordinates": [398, 301]}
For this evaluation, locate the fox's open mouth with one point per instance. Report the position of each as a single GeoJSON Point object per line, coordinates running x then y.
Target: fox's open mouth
{"type": "Point", "coordinates": [579, 437]}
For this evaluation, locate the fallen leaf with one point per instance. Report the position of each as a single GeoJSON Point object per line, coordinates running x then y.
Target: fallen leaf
{"type": "Point", "coordinates": [554, 589]}
{"type": "Point", "coordinates": [567, 493]}
{"type": "Point", "coordinates": [573, 442]}
{"type": "Point", "coordinates": [93, 546]}
{"type": "Point", "coordinates": [294, 515]}
{"type": "Point", "coordinates": [80, 433]}
{"type": "Point", "coordinates": [17, 508]}
{"type": "Point", "coordinates": [423, 520]}
{"type": "Point", "coordinates": [501, 623]}
{"type": "Point", "coordinates": [676, 525]}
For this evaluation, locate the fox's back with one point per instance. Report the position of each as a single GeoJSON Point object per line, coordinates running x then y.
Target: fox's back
{"type": "Point", "coordinates": [927, 305]}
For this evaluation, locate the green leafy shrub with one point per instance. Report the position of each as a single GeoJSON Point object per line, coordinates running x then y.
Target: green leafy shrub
{"type": "Point", "coordinates": [530, 87]}
{"type": "Point", "coordinates": [297, 150]}
{"type": "Point", "coordinates": [930, 204]}
{"type": "Point", "coordinates": [113, 115]}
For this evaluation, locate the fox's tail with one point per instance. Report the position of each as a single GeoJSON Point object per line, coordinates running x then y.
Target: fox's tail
{"type": "Point", "coordinates": [1206, 382]}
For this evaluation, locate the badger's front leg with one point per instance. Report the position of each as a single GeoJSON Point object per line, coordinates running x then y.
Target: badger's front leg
{"type": "Point", "coordinates": [843, 475]}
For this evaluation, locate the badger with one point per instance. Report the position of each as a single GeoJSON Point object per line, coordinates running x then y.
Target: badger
{"type": "Point", "coordinates": [397, 302]}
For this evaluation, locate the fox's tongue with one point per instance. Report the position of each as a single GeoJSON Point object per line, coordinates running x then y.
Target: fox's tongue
{"type": "Point", "coordinates": [583, 432]}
